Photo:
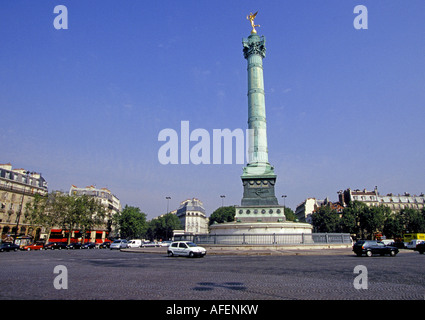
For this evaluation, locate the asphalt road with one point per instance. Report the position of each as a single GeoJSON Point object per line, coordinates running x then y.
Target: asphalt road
{"type": "Point", "coordinates": [115, 275]}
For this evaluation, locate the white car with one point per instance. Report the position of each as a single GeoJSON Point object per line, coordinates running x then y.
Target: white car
{"type": "Point", "coordinates": [119, 244]}
{"type": "Point", "coordinates": [185, 248]}
{"type": "Point", "coordinates": [134, 243]}
{"type": "Point", "coordinates": [150, 244]}
{"type": "Point", "coordinates": [165, 243]}
{"type": "Point", "coordinates": [412, 244]}
{"type": "Point", "coordinates": [388, 242]}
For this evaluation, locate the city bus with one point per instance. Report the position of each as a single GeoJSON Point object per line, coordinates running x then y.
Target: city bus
{"type": "Point", "coordinates": [61, 235]}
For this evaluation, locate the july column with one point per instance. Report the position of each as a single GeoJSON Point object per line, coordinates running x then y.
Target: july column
{"type": "Point", "coordinates": [254, 51]}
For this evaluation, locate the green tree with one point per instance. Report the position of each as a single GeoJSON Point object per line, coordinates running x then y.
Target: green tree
{"type": "Point", "coordinates": [61, 206]}
{"type": "Point", "coordinates": [350, 221]}
{"type": "Point", "coordinates": [372, 220]}
{"type": "Point", "coordinates": [131, 223]}
{"type": "Point", "coordinates": [393, 226]}
{"type": "Point", "coordinates": [414, 220]}
{"type": "Point", "coordinates": [326, 219]}
{"type": "Point", "coordinates": [223, 214]}
{"type": "Point", "coordinates": [91, 213]}
{"type": "Point", "coordinates": [289, 214]}
{"type": "Point", "coordinates": [35, 213]}
{"type": "Point", "coordinates": [162, 228]}
{"type": "Point", "coordinates": [67, 212]}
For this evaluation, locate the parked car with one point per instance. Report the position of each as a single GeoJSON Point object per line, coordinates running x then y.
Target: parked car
{"type": "Point", "coordinates": [165, 243]}
{"type": "Point", "coordinates": [412, 244]}
{"type": "Point", "coordinates": [370, 247]}
{"type": "Point", "coordinates": [399, 244]}
{"type": "Point", "coordinates": [34, 246]}
{"type": "Point", "coordinates": [150, 244]}
{"type": "Point", "coordinates": [185, 248]}
{"type": "Point", "coordinates": [74, 245]}
{"type": "Point", "coordinates": [388, 242]}
{"type": "Point", "coordinates": [420, 248]}
{"type": "Point", "coordinates": [105, 245]}
{"type": "Point", "coordinates": [135, 243]}
{"type": "Point", "coordinates": [8, 246]}
{"type": "Point", "coordinates": [89, 245]}
{"type": "Point", "coordinates": [119, 244]}
{"type": "Point", "coordinates": [55, 245]}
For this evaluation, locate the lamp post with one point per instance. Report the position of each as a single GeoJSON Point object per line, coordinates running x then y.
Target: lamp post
{"type": "Point", "coordinates": [222, 200]}
{"type": "Point", "coordinates": [168, 202]}
{"type": "Point", "coordinates": [284, 198]}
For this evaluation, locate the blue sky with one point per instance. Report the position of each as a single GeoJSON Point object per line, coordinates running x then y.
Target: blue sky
{"type": "Point", "coordinates": [83, 106]}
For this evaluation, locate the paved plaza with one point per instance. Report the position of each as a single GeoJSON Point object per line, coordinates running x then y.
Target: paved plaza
{"type": "Point", "coordinates": [117, 275]}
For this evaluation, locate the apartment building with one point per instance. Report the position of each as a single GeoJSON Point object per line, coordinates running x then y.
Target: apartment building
{"type": "Point", "coordinates": [17, 188]}
{"type": "Point", "coordinates": [192, 216]}
{"type": "Point", "coordinates": [373, 198]}
{"type": "Point", "coordinates": [108, 200]}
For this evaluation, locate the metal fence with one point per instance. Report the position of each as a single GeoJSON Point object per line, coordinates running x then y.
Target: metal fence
{"type": "Point", "coordinates": [268, 239]}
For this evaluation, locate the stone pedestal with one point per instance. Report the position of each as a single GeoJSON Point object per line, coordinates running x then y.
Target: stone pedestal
{"type": "Point", "coordinates": [260, 214]}
{"type": "Point", "coordinates": [262, 228]}
{"type": "Point", "coordinates": [259, 191]}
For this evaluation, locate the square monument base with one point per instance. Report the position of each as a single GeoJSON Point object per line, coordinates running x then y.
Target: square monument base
{"type": "Point", "coordinates": [259, 191]}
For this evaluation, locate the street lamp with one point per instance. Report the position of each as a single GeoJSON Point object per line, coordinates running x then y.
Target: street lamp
{"type": "Point", "coordinates": [168, 202]}
{"type": "Point", "coordinates": [222, 200]}
{"type": "Point", "coordinates": [284, 198]}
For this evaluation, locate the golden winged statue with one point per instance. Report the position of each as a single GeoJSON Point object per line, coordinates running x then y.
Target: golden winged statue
{"type": "Point", "coordinates": [251, 18]}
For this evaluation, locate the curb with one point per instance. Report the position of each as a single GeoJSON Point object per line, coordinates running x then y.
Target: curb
{"type": "Point", "coordinates": [254, 252]}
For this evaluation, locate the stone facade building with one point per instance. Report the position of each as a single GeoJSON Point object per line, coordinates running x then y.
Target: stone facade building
{"type": "Point", "coordinates": [192, 216]}
{"type": "Point", "coordinates": [396, 203]}
{"type": "Point", "coordinates": [373, 198]}
{"type": "Point", "coordinates": [107, 199]}
{"type": "Point", "coordinates": [17, 188]}
{"type": "Point", "coordinates": [306, 208]}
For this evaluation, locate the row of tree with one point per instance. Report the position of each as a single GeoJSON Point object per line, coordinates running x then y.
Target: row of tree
{"type": "Point", "coordinates": [364, 221]}
{"type": "Point", "coordinates": [132, 224]}
{"type": "Point", "coordinates": [68, 212]}
{"type": "Point", "coordinates": [85, 213]}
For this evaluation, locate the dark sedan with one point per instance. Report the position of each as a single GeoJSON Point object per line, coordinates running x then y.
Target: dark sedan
{"type": "Point", "coordinates": [89, 245]}
{"type": "Point", "coordinates": [55, 245]}
{"type": "Point", "coordinates": [371, 247]}
{"type": "Point", "coordinates": [75, 245]}
{"type": "Point", "coordinates": [8, 246]}
{"type": "Point", "coordinates": [420, 248]}
{"type": "Point", "coordinates": [105, 245]}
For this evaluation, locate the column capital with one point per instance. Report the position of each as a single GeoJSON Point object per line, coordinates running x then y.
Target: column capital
{"type": "Point", "coordinates": [254, 44]}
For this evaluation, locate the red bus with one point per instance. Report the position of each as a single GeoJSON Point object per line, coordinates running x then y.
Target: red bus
{"type": "Point", "coordinates": [61, 235]}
